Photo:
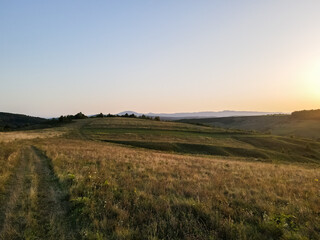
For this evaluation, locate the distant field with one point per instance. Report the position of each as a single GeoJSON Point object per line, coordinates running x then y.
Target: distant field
{"type": "Point", "coordinates": [121, 178]}
{"type": "Point", "coordinates": [23, 135]}
{"type": "Point", "coordinates": [283, 125]}
{"type": "Point", "coordinates": [194, 139]}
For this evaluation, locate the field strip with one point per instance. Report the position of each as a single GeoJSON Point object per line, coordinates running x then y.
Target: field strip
{"type": "Point", "coordinates": [36, 205]}
{"type": "Point", "coordinates": [27, 135]}
{"type": "Point", "coordinates": [51, 201]}
{"type": "Point", "coordinates": [12, 213]}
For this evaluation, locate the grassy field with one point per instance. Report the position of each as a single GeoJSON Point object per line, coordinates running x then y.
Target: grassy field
{"type": "Point", "coordinates": [284, 125]}
{"type": "Point", "coordinates": [194, 139]}
{"type": "Point", "coordinates": [118, 178]}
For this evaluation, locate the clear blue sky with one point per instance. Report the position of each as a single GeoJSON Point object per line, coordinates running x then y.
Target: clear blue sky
{"type": "Point", "coordinates": [62, 57]}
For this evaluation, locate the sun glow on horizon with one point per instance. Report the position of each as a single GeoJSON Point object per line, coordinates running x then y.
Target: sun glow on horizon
{"type": "Point", "coordinates": [312, 81]}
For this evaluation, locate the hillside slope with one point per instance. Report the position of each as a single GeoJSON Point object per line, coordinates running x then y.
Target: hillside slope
{"type": "Point", "coordinates": [125, 178]}
{"type": "Point", "coordinates": [14, 121]}
{"type": "Point", "coordinates": [284, 125]}
{"type": "Point", "coordinates": [193, 139]}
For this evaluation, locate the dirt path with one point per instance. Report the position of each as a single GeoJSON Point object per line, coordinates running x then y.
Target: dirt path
{"type": "Point", "coordinates": [36, 207]}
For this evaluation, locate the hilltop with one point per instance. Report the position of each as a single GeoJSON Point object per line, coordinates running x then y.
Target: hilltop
{"type": "Point", "coordinates": [300, 123]}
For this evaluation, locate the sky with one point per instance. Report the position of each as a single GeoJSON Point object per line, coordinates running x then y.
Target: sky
{"type": "Point", "coordinates": [62, 57]}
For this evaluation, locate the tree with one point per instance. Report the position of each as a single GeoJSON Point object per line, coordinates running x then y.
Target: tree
{"type": "Point", "coordinates": [79, 115]}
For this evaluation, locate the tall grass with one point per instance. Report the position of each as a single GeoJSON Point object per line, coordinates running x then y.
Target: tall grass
{"type": "Point", "coordinates": [8, 162]}
{"type": "Point", "coordinates": [124, 193]}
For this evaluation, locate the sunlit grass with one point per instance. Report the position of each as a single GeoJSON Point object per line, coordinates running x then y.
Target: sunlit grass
{"type": "Point", "coordinates": [8, 161]}
{"type": "Point", "coordinates": [91, 189]}
{"type": "Point", "coordinates": [127, 193]}
{"type": "Point", "coordinates": [24, 135]}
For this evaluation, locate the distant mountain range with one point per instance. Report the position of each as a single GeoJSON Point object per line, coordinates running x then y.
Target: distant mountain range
{"type": "Point", "coordinates": [209, 114]}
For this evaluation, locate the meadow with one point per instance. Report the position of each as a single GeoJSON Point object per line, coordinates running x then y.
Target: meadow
{"type": "Point", "coordinates": [204, 140]}
{"type": "Point", "coordinates": [121, 178]}
{"type": "Point", "coordinates": [282, 125]}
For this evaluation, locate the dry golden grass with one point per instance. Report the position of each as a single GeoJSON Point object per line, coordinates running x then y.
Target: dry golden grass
{"type": "Point", "coordinates": [84, 189]}
{"type": "Point", "coordinates": [32, 206]}
{"type": "Point", "coordinates": [27, 135]}
{"type": "Point", "coordinates": [193, 139]}
{"type": "Point", "coordinates": [8, 162]}
{"type": "Point", "coordinates": [125, 193]}
{"type": "Point", "coordinates": [136, 122]}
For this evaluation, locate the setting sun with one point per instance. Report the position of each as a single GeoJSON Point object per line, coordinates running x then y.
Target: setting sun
{"type": "Point", "coordinates": [313, 80]}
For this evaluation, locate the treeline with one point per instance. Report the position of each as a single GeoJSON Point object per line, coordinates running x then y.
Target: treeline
{"type": "Point", "coordinates": [69, 118]}
{"type": "Point", "coordinates": [11, 122]}
{"type": "Point", "coordinates": [307, 114]}
{"type": "Point", "coordinates": [80, 115]}
{"type": "Point", "coordinates": [129, 116]}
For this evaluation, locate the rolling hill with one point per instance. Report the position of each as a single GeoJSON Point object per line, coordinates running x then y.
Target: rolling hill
{"type": "Point", "coordinates": [9, 121]}
{"type": "Point", "coordinates": [130, 178]}
{"type": "Point", "coordinates": [193, 139]}
{"type": "Point", "coordinates": [283, 125]}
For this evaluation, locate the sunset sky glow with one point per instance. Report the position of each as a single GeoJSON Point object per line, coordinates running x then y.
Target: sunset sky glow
{"type": "Point", "coordinates": [62, 57]}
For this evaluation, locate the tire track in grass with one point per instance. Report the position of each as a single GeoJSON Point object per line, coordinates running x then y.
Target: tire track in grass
{"type": "Point", "coordinates": [37, 207]}
{"type": "Point", "coordinates": [51, 203]}
{"type": "Point", "coordinates": [13, 219]}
